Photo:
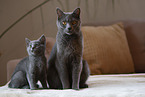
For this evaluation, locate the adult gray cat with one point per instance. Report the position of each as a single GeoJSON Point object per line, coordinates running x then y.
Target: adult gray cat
{"type": "Point", "coordinates": [66, 67]}
{"type": "Point", "coordinates": [32, 68]}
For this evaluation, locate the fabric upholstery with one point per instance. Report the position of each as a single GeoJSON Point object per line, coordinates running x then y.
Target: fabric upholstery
{"type": "Point", "coordinates": [49, 45]}
{"type": "Point", "coordinates": [135, 32]}
{"type": "Point", "coordinates": [124, 85]}
{"type": "Point", "coordinates": [106, 49]}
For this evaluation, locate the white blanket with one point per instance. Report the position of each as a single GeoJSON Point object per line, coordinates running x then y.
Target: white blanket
{"type": "Point", "coordinates": [122, 85]}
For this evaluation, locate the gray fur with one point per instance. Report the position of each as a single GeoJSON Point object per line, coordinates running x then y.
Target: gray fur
{"type": "Point", "coordinates": [32, 68]}
{"type": "Point", "coordinates": [66, 67]}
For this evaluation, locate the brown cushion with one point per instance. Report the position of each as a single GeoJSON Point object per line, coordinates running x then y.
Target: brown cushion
{"type": "Point", "coordinates": [106, 49]}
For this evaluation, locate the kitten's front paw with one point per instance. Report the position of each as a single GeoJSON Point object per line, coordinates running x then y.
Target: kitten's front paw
{"type": "Point", "coordinates": [33, 88]}
{"type": "Point", "coordinates": [26, 87]}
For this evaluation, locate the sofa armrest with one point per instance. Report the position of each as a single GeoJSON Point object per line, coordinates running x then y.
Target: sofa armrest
{"type": "Point", "coordinates": [10, 67]}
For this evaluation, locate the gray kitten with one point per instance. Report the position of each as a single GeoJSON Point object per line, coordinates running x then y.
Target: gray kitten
{"type": "Point", "coordinates": [66, 67]}
{"type": "Point", "coordinates": [32, 68]}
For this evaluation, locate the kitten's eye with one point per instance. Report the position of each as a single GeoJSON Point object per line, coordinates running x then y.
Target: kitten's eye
{"type": "Point", "coordinates": [74, 22]}
{"type": "Point", "coordinates": [30, 46]}
{"type": "Point", "coordinates": [64, 23]}
{"type": "Point", "coordinates": [36, 44]}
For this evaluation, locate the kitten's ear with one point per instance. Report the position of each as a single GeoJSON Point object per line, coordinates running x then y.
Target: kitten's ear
{"type": "Point", "coordinates": [59, 13]}
{"type": "Point", "coordinates": [76, 12]}
{"type": "Point", "coordinates": [27, 41]}
{"type": "Point", "coordinates": [42, 39]}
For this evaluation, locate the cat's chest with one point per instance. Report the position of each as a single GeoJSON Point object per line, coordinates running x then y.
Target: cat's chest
{"type": "Point", "coordinates": [67, 47]}
{"type": "Point", "coordinates": [37, 63]}
{"type": "Point", "coordinates": [69, 50]}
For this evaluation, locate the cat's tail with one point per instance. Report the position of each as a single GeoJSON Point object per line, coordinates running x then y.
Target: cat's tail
{"type": "Point", "coordinates": [84, 75]}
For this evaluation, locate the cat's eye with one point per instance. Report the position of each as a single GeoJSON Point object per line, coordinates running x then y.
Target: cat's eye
{"type": "Point", "coordinates": [74, 22]}
{"type": "Point", "coordinates": [30, 46]}
{"type": "Point", "coordinates": [64, 23]}
{"type": "Point", "coordinates": [36, 45]}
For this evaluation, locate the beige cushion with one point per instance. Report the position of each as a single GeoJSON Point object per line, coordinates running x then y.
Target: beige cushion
{"type": "Point", "coordinates": [106, 49]}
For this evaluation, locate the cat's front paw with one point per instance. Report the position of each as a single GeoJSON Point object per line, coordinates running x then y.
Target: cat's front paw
{"type": "Point", "coordinates": [84, 86]}
{"type": "Point", "coordinates": [66, 86]}
{"type": "Point", "coordinates": [33, 88]}
{"type": "Point", "coordinates": [75, 88]}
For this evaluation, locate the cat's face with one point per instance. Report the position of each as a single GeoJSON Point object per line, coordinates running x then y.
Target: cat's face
{"type": "Point", "coordinates": [36, 47]}
{"type": "Point", "coordinates": [68, 22]}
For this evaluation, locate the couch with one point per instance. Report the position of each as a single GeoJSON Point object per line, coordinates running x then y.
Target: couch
{"type": "Point", "coordinates": [116, 56]}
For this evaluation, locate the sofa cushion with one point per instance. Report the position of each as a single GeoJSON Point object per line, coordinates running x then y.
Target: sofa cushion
{"type": "Point", "coordinates": [49, 45]}
{"type": "Point", "coordinates": [106, 49]}
{"type": "Point", "coordinates": [135, 32]}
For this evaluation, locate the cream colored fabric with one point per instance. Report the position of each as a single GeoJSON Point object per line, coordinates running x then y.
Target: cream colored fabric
{"type": "Point", "coordinates": [106, 49]}
{"type": "Point", "coordinates": [127, 85]}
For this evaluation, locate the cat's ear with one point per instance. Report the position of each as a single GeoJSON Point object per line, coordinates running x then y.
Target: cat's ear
{"type": "Point", "coordinates": [76, 13]}
{"type": "Point", "coordinates": [27, 41]}
{"type": "Point", "coordinates": [42, 39]}
{"type": "Point", "coordinates": [59, 13]}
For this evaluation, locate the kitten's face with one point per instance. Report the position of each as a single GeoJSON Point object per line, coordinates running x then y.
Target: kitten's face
{"type": "Point", "coordinates": [36, 47]}
{"type": "Point", "coordinates": [68, 23]}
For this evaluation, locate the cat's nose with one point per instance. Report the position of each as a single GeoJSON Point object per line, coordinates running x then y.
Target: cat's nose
{"type": "Point", "coordinates": [33, 48]}
{"type": "Point", "coordinates": [69, 28]}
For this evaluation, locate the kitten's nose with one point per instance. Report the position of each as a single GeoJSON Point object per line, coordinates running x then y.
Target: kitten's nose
{"type": "Point", "coordinates": [69, 28]}
{"type": "Point", "coordinates": [33, 48]}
